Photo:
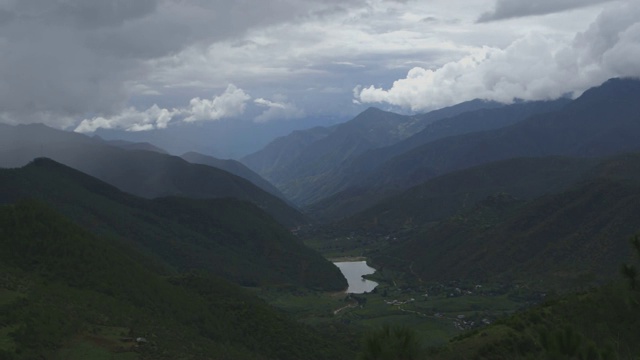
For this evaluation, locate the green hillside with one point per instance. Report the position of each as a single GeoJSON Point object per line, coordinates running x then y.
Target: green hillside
{"type": "Point", "coordinates": [566, 238]}
{"type": "Point", "coordinates": [446, 195]}
{"type": "Point", "coordinates": [67, 294]}
{"type": "Point", "coordinates": [599, 324]}
{"type": "Point", "coordinates": [228, 237]}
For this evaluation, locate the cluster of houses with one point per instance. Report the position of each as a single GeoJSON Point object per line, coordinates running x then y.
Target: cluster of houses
{"type": "Point", "coordinates": [398, 302]}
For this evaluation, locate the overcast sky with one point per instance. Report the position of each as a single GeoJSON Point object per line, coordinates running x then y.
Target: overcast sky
{"type": "Point", "coordinates": [150, 64]}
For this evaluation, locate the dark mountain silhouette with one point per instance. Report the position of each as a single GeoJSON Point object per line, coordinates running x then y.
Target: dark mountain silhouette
{"type": "Point", "coordinates": [228, 237]}
{"type": "Point", "coordinates": [297, 164]}
{"type": "Point", "coordinates": [143, 173]}
{"type": "Point", "coordinates": [605, 120]}
{"type": "Point", "coordinates": [234, 167]}
{"type": "Point", "coordinates": [130, 145]}
{"type": "Point", "coordinates": [283, 150]}
{"type": "Point", "coordinates": [446, 195]}
{"type": "Point", "coordinates": [68, 294]}
{"type": "Point", "coordinates": [465, 123]}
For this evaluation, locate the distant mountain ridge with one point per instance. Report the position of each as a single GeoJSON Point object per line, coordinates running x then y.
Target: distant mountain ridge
{"type": "Point", "coordinates": [601, 122]}
{"type": "Point", "coordinates": [604, 121]}
{"type": "Point", "coordinates": [143, 173]}
{"type": "Point", "coordinates": [468, 122]}
{"type": "Point", "coordinates": [297, 163]}
{"type": "Point", "coordinates": [130, 145]}
{"type": "Point", "coordinates": [233, 167]}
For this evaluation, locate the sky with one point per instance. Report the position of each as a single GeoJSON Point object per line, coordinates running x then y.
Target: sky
{"type": "Point", "coordinates": [85, 65]}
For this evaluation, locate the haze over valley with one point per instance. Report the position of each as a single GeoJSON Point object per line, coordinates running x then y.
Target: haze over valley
{"type": "Point", "coordinates": [300, 179]}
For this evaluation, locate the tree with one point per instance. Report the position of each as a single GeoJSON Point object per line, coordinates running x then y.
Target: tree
{"type": "Point", "coordinates": [629, 271]}
{"type": "Point", "coordinates": [391, 343]}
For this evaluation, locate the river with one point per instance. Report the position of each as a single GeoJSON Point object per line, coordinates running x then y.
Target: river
{"type": "Point", "coordinates": [353, 272]}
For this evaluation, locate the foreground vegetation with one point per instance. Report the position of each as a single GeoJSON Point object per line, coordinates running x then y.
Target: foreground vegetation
{"type": "Point", "coordinates": [67, 294]}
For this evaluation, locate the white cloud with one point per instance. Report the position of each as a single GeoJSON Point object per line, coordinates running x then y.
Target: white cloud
{"type": "Point", "coordinates": [277, 110]}
{"type": "Point", "coordinates": [535, 66]}
{"type": "Point", "coordinates": [230, 103]}
{"type": "Point", "coordinates": [67, 60]}
{"type": "Point", "coordinates": [270, 104]}
{"type": "Point", "coordinates": [131, 120]}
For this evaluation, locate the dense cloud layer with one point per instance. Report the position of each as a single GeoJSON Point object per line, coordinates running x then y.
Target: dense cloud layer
{"type": "Point", "coordinates": [146, 64]}
{"type": "Point", "coordinates": [64, 59]}
{"type": "Point", "coordinates": [506, 9]}
{"type": "Point", "coordinates": [536, 66]}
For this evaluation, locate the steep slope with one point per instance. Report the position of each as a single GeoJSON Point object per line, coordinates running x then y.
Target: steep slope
{"type": "Point", "coordinates": [603, 121]}
{"type": "Point", "coordinates": [142, 173]}
{"type": "Point", "coordinates": [130, 145]}
{"type": "Point", "coordinates": [283, 150]}
{"type": "Point", "coordinates": [465, 123]}
{"type": "Point", "coordinates": [597, 324]}
{"type": "Point", "coordinates": [344, 191]}
{"type": "Point", "coordinates": [581, 232]}
{"type": "Point", "coordinates": [300, 163]}
{"type": "Point", "coordinates": [443, 196]}
{"type": "Point", "coordinates": [67, 294]}
{"type": "Point", "coordinates": [372, 128]}
{"type": "Point", "coordinates": [234, 167]}
{"type": "Point", "coordinates": [228, 237]}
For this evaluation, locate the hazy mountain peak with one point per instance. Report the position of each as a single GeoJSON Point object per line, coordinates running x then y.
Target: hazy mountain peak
{"type": "Point", "coordinates": [615, 88]}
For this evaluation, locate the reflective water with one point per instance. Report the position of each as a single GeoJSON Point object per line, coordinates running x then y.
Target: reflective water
{"type": "Point", "coordinates": [353, 271]}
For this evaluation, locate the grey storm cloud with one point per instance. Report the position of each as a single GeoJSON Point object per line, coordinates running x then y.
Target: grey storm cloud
{"type": "Point", "coordinates": [64, 59]}
{"type": "Point", "coordinates": [533, 67]}
{"type": "Point", "coordinates": [505, 9]}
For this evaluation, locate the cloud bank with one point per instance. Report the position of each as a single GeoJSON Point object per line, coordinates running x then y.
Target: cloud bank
{"type": "Point", "coordinates": [63, 59]}
{"type": "Point", "coordinates": [534, 67]}
{"type": "Point", "coordinates": [506, 9]}
{"type": "Point", "coordinates": [230, 103]}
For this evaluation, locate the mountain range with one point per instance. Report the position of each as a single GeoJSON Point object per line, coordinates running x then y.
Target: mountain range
{"type": "Point", "coordinates": [143, 173]}
{"type": "Point", "coordinates": [602, 121]}
{"type": "Point", "coordinates": [103, 241]}
{"type": "Point", "coordinates": [231, 238]}
{"type": "Point", "coordinates": [299, 162]}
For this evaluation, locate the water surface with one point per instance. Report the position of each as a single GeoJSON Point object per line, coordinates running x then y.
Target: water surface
{"type": "Point", "coordinates": [353, 271]}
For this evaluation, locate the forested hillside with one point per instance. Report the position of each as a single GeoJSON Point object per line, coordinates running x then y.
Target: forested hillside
{"type": "Point", "coordinates": [228, 237]}
{"type": "Point", "coordinates": [68, 294]}
{"type": "Point", "coordinates": [579, 232]}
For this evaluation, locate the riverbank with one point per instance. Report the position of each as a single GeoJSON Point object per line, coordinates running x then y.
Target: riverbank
{"type": "Point", "coordinates": [347, 259]}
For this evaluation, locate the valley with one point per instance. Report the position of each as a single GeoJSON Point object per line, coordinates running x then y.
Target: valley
{"type": "Point", "coordinates": [483, 231]}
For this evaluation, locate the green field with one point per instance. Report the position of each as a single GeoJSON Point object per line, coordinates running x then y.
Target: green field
{"type": "Point", "coordinates": [436, 312]}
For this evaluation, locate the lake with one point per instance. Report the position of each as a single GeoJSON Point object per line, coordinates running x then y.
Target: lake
{"type": "Point", "coordinates": [353, 271]}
